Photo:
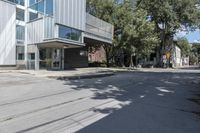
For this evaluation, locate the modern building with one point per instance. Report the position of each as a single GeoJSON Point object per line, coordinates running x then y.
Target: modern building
{"type": "Point", "coordinates": [49, 34]}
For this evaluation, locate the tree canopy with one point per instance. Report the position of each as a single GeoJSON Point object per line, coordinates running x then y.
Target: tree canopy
{"type": "Point", "coordinates": [133, 32]}
{"type": "Point", "coordinates": [184, 46]}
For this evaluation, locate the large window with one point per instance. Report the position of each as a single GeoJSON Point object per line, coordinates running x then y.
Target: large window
{"type": "Point", "coordinates": [20, 2]}
{"type": "Point", "coordinates": [69, 33]}
{"type": "Point", "coordinates": [33, 16]}
{"type": "Point", "coordinates": [42, 6]}
{"type": "Point", "coordinates": [49, 7]}
{"type": "Point", "coordinates": [20, 52]}
{"type": "Point", "coordinates": [20, 13]}
{"type": "Point", "coordinates": [20, 33]}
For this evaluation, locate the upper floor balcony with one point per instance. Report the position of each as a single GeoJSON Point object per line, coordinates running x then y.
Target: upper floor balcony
{"type": "Point", "coordinates": [98, 29]}
{"type": "Point", "coordinates": [47, 32]}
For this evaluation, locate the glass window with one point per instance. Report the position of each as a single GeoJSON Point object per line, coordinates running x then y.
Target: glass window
{"type": "Point", "coordinates": [20, 52]}
{"type": "Point", "coordinates": [20, 2]}
{"type": "Point", "coordinates": [49, 7]}
{"type": "Point", "coordinates": [64, 32]}
{"type": "Point", "coordinates": [40, 5]}
{"type": "Point", "coordinates": [31, 56]}
{"type": "Point", "coordinates": [83, 53]}
{"type": "Point", "coordinates": [20, 32]}
{"type": "Point", "coordinates": [31, 2]}
{"type": "Point", "coordinates": [33, 16]}
{"type": "Point", "coordinates": [37, 6]}
{"type": "Point", "coordinates": [20, 14]}
{"type": "Point", "coordinates": [69, 33]}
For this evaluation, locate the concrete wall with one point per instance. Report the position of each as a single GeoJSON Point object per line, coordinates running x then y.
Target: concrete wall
{"type": "Point", "coordinates": [7, 34]}
{"type": "Point", "coordinates": [71, 13]}
{"type": "Point", "coordinates": [73, 59]}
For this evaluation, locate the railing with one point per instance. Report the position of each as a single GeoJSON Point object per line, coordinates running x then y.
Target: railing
{"type": "Point", "coordinates": [49, 27]}
{"type": "Point", "coordinates": [99, 27]}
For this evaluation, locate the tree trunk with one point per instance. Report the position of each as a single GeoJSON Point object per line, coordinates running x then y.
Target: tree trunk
{"type": "Point", "coordinates": [131, 60]}
{"type": "Point", "coordinates": [107, 50]}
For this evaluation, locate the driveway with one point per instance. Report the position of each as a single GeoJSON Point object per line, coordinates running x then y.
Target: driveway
{"type": "Point", "coordinates": [127, 102]}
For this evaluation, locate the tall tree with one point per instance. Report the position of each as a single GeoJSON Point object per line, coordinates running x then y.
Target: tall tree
{"type": "Point", "coordinates": [133, 32]}
{"type": "Point", "coordinates": [170, 16]}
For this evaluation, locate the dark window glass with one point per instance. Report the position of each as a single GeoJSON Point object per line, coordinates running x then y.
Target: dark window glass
{"type": "Point", "coordinates": [20, 14]}
{"type": "Point", "coordinates": [64, 32]}
{"type": "Point", "coordinates": [21, 56]}
{"type": "Point", "coordinates": [33, 16]}
{"type": "Point", "coordinates": [20, 52]}
{"type": "Point", "coordinates": [31, 56]}
{"type": "Point", "coordinates": [69, 33]}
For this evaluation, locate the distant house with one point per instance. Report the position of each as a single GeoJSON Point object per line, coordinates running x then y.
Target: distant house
{"type": "Point", "coordinates": [176, 57]}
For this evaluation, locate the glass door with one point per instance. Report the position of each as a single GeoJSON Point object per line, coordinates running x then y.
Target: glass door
{"type": "Point", "coordinates": [56, 59]}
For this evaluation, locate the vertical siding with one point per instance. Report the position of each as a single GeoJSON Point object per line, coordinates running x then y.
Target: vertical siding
{"type": "Point", "coordinates": [98, 27]}
{"type": "Point", "coordinates": [49, 28]}
{"type": "Point", "coordinates": [71, 13]}
{"type": "Point", "coordinates": [35, 31]}
{"type": "Point", "coordinates": [7, 34]}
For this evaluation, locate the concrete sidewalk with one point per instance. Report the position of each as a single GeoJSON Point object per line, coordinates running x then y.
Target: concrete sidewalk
{"type": "Point", "coordinates": [78, 73]}
{"type": "Point", "coordinates": [95, 72]}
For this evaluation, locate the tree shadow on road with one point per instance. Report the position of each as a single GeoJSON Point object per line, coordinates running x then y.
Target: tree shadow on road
{"type": "Point", "coordinates": [147, 102]}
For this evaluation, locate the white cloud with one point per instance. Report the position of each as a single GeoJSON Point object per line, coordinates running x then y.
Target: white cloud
{"type": "Point", "coordinates": [196, 41]}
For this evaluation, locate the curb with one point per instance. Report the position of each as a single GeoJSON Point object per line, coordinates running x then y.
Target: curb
{"type": "Point", "coordinates": [84, 76]}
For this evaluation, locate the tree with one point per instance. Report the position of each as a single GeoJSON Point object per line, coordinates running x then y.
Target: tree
{"type": "Point", "coordinates": [195, 50]}
{"type": "Point", "coordinates": [170, 16]}
{"type": "Point", "coordinates": [184, 46]}
{"type": "Point", "coordinates": [133, 32]}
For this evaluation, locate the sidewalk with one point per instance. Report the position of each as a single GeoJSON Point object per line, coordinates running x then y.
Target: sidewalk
{"type": "Point", "coordinates": [78, 73]}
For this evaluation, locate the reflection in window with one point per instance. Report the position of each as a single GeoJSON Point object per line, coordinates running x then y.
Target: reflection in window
{"type": "Point", "coordinates": [20, 32]}
{"type": "Point", "coordinates": [33, 16]}
{"type": "Point", "coordinates": [20, 14]}
{"type": "Point", "coordinates": [69, 33]}
{"type": "Point", "coordinates": [19, 2]}
{"type": "Point", "coordinates": [42, 6]}
{"type": "Point", "coordinates": [49, 7]}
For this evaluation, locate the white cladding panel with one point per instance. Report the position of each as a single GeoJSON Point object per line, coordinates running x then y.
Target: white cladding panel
{"type": "Point", "coordinates": [7, 33]}
{"type": "Point", "coordinates": [71, 13]}
{"type": "Point", "coordinates": [35, 32]}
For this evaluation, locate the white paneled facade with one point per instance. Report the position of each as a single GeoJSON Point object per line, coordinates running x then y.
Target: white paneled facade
{"type": "Point", "coordinates": [7, 34]}
{"type": "Point", "coordinates": [30, 28]}
{"type": "Point", "coordinates": [35, 32]}
{"type": "Point", "coordinates": [71, 13]}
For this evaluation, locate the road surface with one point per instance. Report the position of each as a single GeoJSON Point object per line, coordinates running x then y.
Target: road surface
{"type": "Point", "coordinates": [127, 102]}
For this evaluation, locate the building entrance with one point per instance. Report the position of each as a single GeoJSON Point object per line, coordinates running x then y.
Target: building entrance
{"type": "Point", "coordinates": [51, 58]}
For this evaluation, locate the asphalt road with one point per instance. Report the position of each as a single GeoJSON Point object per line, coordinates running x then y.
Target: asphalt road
{"type": "Point", "coordinates": [128, 102]}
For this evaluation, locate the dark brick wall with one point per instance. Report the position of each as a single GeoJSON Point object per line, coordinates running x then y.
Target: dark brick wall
{"type": "Point", "coordinates": [73, 59]}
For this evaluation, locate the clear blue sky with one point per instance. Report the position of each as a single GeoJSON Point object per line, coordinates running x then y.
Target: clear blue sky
{"type": "Point", "coordinates": [191, 36]}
